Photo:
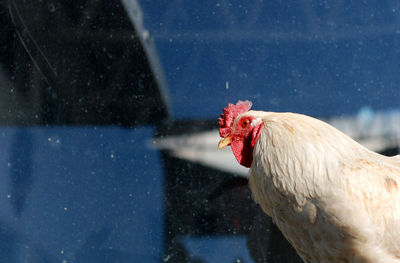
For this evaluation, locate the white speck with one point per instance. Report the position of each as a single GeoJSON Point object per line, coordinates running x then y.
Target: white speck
{"type": "Point", "coordinates": [112, 155]}
{"type": "Point", "coordinates": [51, 7]}
{"type": "Point", "coordinates": [65, 208]}
{"type": "Point", "coordinates": [49, 139]}
{"type": "Point", "coordinates": [226, 85]}
{"type": "Point", "coordinates": [166, 258]}
{"type": "Point", "coordinates": [62, 251]}
{"type": "Point", "coordinates": [8, 196]}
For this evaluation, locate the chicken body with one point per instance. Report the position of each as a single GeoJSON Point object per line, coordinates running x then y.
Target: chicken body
{"type": "Point", "coordinates": [333, 199]}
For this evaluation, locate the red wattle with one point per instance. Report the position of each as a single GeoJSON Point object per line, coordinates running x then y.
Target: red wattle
{"type": "Point", "coordinates": [243, 149]}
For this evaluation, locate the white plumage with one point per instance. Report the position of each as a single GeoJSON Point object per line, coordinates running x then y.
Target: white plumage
{"type": "Point", "coordinates": [333, 199]}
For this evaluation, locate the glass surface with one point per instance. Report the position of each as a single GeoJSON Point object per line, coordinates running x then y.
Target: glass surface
{"type": "Point", "coordinates": [107, 106]}
{"type": "Point", "coordinates": [316, 57]}
{"type": "Point", "coordinates": [80, 194]}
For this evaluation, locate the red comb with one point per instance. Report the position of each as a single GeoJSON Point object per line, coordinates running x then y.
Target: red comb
{"type": "Point", "coordinates": [230, 114]}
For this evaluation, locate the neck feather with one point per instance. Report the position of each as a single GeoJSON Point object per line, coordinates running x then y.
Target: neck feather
{"type": "Point", "coordinates": [295, 153]}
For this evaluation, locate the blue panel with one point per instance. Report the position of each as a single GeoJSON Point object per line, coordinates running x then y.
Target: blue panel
{"type": "Point", "coordinates": [79, 195]}
{"type": "Point", "coordinates": [315, 57]}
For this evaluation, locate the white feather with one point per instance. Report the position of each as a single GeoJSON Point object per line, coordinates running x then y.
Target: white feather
{"type": "Point", "coordinates": [333, 199]}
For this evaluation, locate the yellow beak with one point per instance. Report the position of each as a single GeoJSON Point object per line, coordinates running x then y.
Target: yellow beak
{"type": "Point", "coordinates": [224, 142]}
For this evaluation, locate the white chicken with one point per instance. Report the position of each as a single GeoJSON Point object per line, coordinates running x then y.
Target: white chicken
{"type": "Point", "coordinates": [333, 199]}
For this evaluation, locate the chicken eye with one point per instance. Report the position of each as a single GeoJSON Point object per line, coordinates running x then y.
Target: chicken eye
{"type": "Point", "coordinates": [245, 123]}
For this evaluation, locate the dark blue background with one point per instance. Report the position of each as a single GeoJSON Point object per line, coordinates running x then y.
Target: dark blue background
{"type": "Point", "coordinates": [80, 195]}
{"type": "Point", "coordinates": [322, 58]}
